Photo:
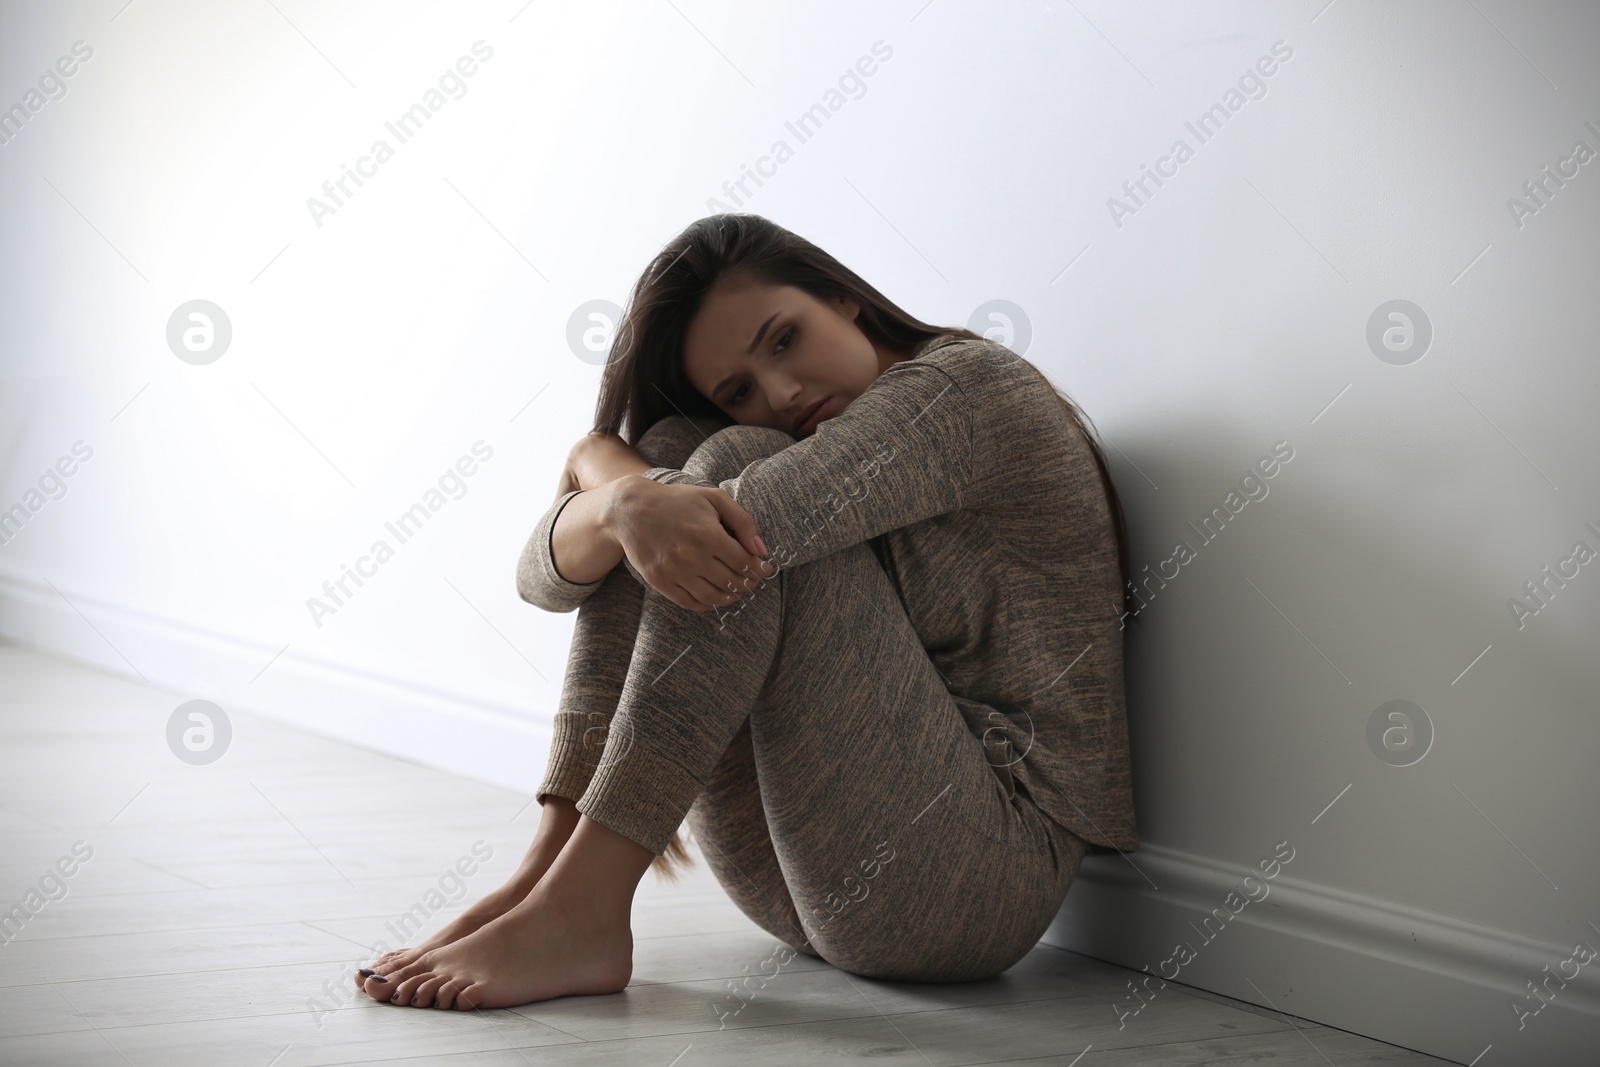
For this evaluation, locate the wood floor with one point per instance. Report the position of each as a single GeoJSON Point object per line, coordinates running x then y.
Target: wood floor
{"type": "Point", "coordinates": [222, 909]}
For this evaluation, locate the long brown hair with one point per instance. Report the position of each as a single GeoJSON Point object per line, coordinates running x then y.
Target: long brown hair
{"type": "Point", "coordinates": [644, 379]}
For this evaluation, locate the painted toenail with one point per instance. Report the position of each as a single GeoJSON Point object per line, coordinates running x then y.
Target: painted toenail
{"type": "Point", "coordinates": [379, 978]}
{"type": "Point", "coordinates": [413, 1001]}
{"type": "Point", "coordinates": [366, 972]}
{"type": "Point", "coordinates": [395, 999]}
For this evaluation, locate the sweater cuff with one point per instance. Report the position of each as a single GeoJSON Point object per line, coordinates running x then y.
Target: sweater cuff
{"type": "Point", "coordinates": [572, 758]}
{"type": "Point", "coordinates": [674, 476]}
{"type": "Point", "coordinates": [537, 578]}
{"type": "Point", "coordinates": [639, 794]}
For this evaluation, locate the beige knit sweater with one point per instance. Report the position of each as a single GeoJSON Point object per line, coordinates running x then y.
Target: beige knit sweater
{"type": "Point", "coordinates": [982, 500]}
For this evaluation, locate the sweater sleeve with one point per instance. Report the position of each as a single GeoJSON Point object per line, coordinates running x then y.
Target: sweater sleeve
{"type": "Point", "coordinates": [900, 453]}
{"type": "Point", "coordinates": [538, 583]}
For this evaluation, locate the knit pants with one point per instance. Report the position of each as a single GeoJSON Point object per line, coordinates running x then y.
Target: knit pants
{"type": "Point", "coordinates": [838, 794]}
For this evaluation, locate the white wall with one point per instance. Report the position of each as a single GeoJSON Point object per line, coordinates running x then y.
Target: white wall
{"type": "Point", "coordinates": [1226, 313]}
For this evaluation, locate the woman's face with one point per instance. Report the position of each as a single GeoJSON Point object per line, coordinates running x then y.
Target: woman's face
{"type": "Point", "coordinates": [766, 354]}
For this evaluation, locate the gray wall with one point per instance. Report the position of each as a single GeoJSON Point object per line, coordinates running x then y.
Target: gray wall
{"type": "Point", "coordinates": [976, 175]}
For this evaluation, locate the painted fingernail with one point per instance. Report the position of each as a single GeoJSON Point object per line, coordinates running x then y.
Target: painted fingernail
{"type": "Point", "coordinates": [379, 978]}
{"type": "Point", "coordinates": [366, 972]}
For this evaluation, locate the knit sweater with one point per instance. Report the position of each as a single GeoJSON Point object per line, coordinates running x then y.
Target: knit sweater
{"type": "Point", "coordinates": [982, 501]}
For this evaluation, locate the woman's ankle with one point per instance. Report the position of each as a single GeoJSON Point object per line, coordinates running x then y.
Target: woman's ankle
{"type": "Point", "coordinates": [598, 868]}
{"type": "Point", "coordinates": [558, 819]}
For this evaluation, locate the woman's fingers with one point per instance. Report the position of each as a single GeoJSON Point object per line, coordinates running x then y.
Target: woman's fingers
{"type": "Point", "coordinates": [728, 586]}
{"type": "Point", "coordinates": [701, 593]}
{"type": "Point", "coordinates": [737, 520]}
{"type": "Point", "coordinates": [713, 595]}
{"type": "Point", "coordinates": [682, 596]}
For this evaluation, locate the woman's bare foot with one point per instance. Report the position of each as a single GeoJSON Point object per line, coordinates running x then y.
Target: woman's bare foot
{"type": "Point", "coordinates": [494, 904]}
{"type": "Point", "coordinates": [570, 935]}
{"type": "Point", "coordinates": [556, 822]}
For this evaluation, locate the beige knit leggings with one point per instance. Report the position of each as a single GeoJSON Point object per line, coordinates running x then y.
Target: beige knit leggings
{"type": "Point", "coordinates": [835, 789]}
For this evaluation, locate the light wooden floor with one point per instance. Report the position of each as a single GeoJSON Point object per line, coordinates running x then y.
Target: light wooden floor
{"type": "Point", "coordinates": [225, 906]}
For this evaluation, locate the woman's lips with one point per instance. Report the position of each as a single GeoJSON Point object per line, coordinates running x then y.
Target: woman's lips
{"type": "Point", "coordinates": [816, 418]}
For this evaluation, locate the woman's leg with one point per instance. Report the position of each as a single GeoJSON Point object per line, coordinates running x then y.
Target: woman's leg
{"type": "Point", "coordinates": [727, 820]}
{"type": "Point", "coordinates": [603, 637]}
{"type": "Point", "coordinates": [729, 824]}
{"type": "Point", "coordinates": [602, 644]}
{"type": "Point", "coordinates": [899, 838]}
{"type": "Point", "coordinates": [909, 855]}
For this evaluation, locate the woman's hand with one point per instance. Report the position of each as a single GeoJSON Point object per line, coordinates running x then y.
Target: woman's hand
{"type": "Point", "coordinates": [695, 546]}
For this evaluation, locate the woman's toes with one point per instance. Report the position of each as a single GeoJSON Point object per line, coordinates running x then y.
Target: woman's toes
{"type": "Point", "coordinates": [385, 986]}
{"type": "Point", "coordinates": [400, 958]}
{"type": "Point", "coordinates": [445, 995]}
{"type": "Point", "coordinates": [425, 993]}
{"type": "Point", "coordinates": [406, 990]}
{"type": "Point", "coordinates": [467, 999]}
{"type": "Point", "coordinates": [399, 974]}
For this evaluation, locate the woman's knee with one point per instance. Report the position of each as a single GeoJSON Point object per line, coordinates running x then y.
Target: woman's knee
{"type": "Point", "coordinates": [669, 442]}
{"type": "Point", "coordinates": [733, 448]}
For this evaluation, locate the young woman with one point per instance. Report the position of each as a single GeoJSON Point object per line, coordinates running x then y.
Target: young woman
{"type": "Point", "coordinates": [850, 602]}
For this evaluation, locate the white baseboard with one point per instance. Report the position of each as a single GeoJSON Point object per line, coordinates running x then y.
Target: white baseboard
{"type": "Point", "coordinates": [455, 732]}
{"type": "Point", "coordinates": [1424, 981]}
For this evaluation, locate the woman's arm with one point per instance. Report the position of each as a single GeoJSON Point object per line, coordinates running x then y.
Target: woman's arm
{"type": "Point", "coordinates": [573, 529]}
{"type": "Point", "coordinates": [538, 581]}
{"type": "Point", "coordinates": [902, 452]}
{"type": "Point", "coordinates": [694, 545]}
{"type": "Point", "coordinates": [601, 458]}
{"type": "Point", "coordinates": [582, 547]}
{"type": "Point", "coordinates": [688, 545]}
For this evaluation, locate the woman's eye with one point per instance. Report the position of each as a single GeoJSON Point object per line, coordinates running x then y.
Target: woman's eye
{"type": "Point", "coordinates": [787, 337]}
